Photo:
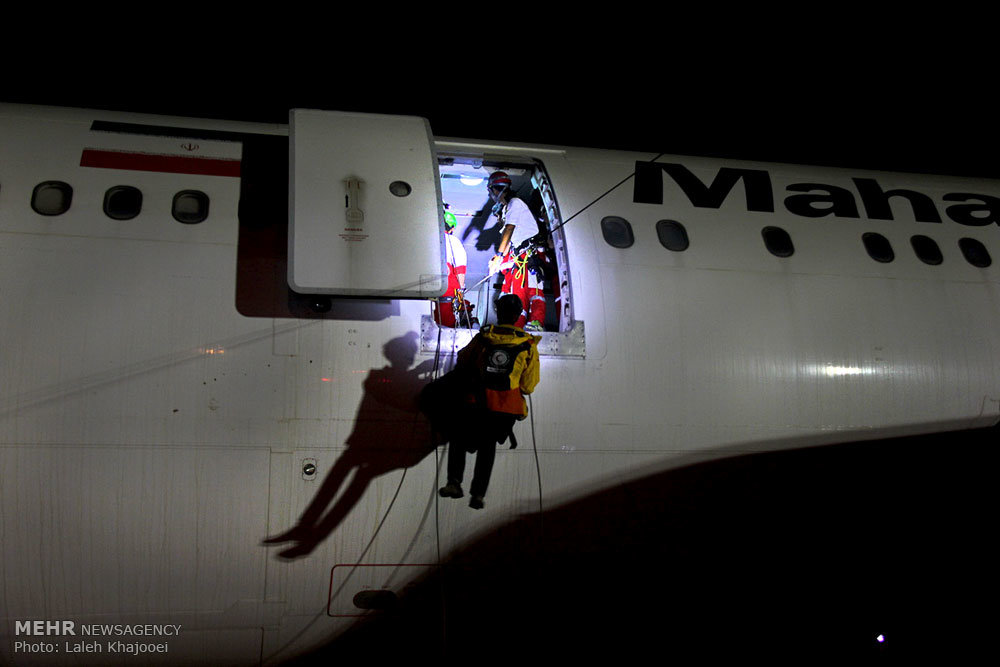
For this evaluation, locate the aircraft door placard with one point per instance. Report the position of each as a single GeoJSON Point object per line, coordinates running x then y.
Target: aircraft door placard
{"type": "Point", "coordinates": [365, 217]}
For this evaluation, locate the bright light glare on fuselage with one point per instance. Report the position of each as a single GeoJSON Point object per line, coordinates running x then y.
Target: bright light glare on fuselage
{"type": "Point", "coordinates": [834, 371]}
{"type": "Point", "coordinates": [471, 181]}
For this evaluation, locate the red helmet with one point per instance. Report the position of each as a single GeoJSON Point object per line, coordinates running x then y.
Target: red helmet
{"type": "Point", "coordinates": [499, 179]}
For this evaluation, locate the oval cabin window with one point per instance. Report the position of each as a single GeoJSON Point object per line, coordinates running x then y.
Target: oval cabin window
{"type": "Point", "coordinates": [927, 250]}
{"type": "Point", "coordinates": [975, 252]}
{"type": "Point", "coordinates": [617, 232]}
{"type": "Point", "coordinates": [672, 235]}
{"type": "Point", "coordinates": [777, 241]}
{"type": "Point", "coordinates": [122, 202]}
{"type": "Point", "coordinates": [190, 207]}
{"type": "Point", "coordinates": [51, 198]}
{"type": "Point", "coordinates": [878, 247]}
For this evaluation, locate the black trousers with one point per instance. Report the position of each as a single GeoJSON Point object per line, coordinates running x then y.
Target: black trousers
{"type": "Point", "coordinates": [481, 435]}
{"type": "Point", "coordinates": [485, 454]}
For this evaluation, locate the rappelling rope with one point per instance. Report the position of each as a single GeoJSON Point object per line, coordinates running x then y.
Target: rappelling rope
{"type": "Point", "coordinates": [322, 612]}
{"type": "Point", "coordinates": [615, 187]}
{"type": "Point", "coordinates": [519, 274]}
{"type": "Point", "coordinates": [534, 445]}
{"type": "Point", "coordinates": [385, 516]}
{"type": "Point", "coordinates": [434, 493]}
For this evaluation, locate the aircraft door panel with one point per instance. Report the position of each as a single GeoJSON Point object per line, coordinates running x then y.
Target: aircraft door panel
{"type": "Point", "coordinates": [365, 206]}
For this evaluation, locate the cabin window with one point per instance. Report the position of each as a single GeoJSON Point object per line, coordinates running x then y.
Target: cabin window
{"type": "Point", "coordinates": [190, 207]}
{"type": "Point", "coordinates": [975, 252]}
{"type": "Point", "coordinates": [777, 241]}
{"type": "Point", "coordinates": [878, 247]}
{"type": "Point", "coordinates": [122, 202]}
{"type": "Point", "coordinates": [51, 198]}
{"type": "Point", "coordinates": [672, 235]}
{"type": "Point", "coordinates": [927, 250]}
{"type": "Point", "coordinates": [617, 232]}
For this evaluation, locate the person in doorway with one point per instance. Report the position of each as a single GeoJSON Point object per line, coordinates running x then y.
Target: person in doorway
{"type": "Point", "coordinates": [517, 257]}
{"type": "Point", "coordinates": [452, 303]}
{"type": "Point", "coordinates": [493, 373]}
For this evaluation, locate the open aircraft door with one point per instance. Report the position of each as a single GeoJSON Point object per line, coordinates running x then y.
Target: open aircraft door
{"type": "Point", "coordinates": [365, 216]}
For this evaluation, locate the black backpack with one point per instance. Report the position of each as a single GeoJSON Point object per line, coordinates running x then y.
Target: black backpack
{"type": "Point", "coordinates": [496, 363]}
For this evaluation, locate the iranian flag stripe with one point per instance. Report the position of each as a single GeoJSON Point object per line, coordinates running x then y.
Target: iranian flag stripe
{"type": "Point", "coordinates": [170, 164]}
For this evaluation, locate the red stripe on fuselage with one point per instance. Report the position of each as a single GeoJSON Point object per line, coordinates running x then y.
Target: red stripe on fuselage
{"type": "Point", "coordinates": [171, 164]}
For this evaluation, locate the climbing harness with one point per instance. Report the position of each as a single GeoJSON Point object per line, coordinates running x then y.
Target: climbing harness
{"type": "Point", "coordinates": [521, 267]}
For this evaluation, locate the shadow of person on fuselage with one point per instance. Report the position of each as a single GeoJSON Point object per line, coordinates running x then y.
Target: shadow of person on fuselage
{"type": "Point", "coordinates": [389, 434]}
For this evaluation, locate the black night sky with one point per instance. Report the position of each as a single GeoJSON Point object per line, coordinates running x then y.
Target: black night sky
{"type": "Point", "coordinates": [846, 96]}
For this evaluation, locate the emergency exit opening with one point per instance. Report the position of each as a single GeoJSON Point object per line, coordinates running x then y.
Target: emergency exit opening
{"type": "Point", "coordinates": [541, 265]}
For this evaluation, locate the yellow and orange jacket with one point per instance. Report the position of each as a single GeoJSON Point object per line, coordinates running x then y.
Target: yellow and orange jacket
{"type": "Point", "coordinates": [524, 374]}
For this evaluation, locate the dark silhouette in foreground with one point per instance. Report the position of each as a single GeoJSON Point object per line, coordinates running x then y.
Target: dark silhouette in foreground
{"type": "Point", "coordinates": [802, 555]}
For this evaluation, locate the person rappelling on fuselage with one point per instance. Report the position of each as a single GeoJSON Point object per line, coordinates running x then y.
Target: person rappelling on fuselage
{"type": "Point", "coordinates": [486, 391]}
{"type": "Point", "coordinates": [517, 258]}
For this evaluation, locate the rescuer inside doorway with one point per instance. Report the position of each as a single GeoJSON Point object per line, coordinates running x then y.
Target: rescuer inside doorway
{"type": "Point", "coordinates": [517, 258]}
{"type": "Point", "coordinates": [452, 305]}
{"type": "Point", "coordinates": [494, 372]}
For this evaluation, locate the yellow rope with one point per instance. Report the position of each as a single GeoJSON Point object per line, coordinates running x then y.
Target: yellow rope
{"type": "Point", "coordinates": [521, 267]}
